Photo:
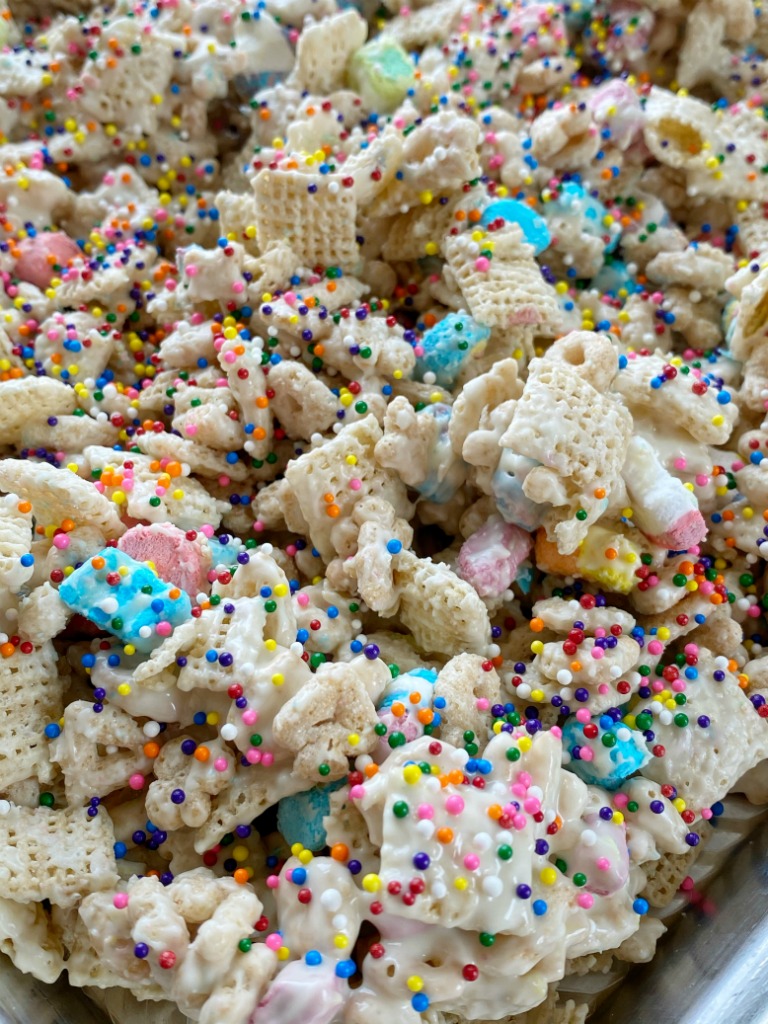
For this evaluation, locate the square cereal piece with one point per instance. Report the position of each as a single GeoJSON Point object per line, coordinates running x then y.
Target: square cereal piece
{"type": "Point", "coordinates": [55, 855]}
{"type": "Point", "coordinates": [31, 694]}
{"type": "Point", "coordinates": [315, 214]}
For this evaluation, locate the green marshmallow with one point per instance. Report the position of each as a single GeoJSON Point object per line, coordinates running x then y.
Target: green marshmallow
{"type": "Point", "coordinates": [382, 73]}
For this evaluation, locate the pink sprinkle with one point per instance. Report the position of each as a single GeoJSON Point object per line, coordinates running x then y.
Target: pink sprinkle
{"type": "Point", "coordinates": [417, 349]}
{"type": "Point", "coordinates": [191, 270]}
{"type": "Point", "coordinates": [482, 263]}
{"type": "Point", "coordinates": [706, 813]}
{"type": "Point", "coordinates": [290, 298]}
{"type": "Point", "coordinates": [556, 731]}
{"type": "Point", "coordinates": [357, 792]}
{"type": "Point", "coordinates": [587, 754]}
{"type": "Point", "coordinates": [657, 686]}
{"type": "Point", "coordinates": [303, 599]}
{"type": "Point", "coordinates": [680, 463]}
{"type": "Point", "coordinates": [238, 287]}
{"type": "Point", "coordinates": [355, 484]}
{"type": "Point", "coordinates": [597, 653]}
{"type": "Point", "coordinates": [701, 480]}
{"type": "Point", "coordinates": [191, 429]}
{"type": "Point", "coordinates": [532, 805]}
{"type": "Point", "coordinates": [61, 541]}
{"type": "Point", "coordinates": [687, 884]}
{"type": "Point", "coordinates": [753, 611]}
{"type": "Point", "coordinates": [621, 799]}
{"type": "Point", "coordinates": [272, 883]}
{"type": "Point", "coordinates": [483, 704]}
{"type": "Point", "coordinates": [224, 481]}
{"type": "Point", "coordinates": [251, 716]}
{"type": "Point", "coordinates": [258, 526]}
{"type": "Point", "coordinates": [425, 811]}
{"type": "Point", "coordinates": [585, 900]}
{"type": "Point", "coordinates": [164, 628]}
{"type": "Point", "coordinates": [274, 942]}
{"type": "Point", "coordinates": [518, 789]}
{"type": "Point", "coordinates": [603, 863]}
{"type": "Point", "coordinates": [253, 755]}
{"type": "Point", "coordinates": [454, 804]}
{"type": "Point", "coordinates": [136, 781]}
{"type": "Point", "coordinates": [471, 862]}
{"type": "Point", "coordinates": [656, 646]}
{"type": "Point", "coordinates": [519, 821]}
{"type": "Point", "coordinates": [603, 688]}
{"type": "Point", "coordinates": [229, 357]}
{"type": "Point", "coordinates": [268, 759]}
{"type": "Point", "coordinates": [583, 716]}
{"type": "Point", "coordinates": [525, 778]}
{"type": "Point", "coordinates": [221, 764]}
{"type": "Point", "coordinates": [120, 900]}
{"type": "Point", "coordinates": [207, 530]}
{"type": "Point", "coordinates": [291, 550]}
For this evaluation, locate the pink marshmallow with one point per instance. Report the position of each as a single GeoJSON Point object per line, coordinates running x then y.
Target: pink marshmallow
{"type": "Point", "coordinates": [684, 533]}
{"type": "Point", "coordinates": [34, 265]}
{"type": "Point", "coordinates": [490, 558]}
{"type": "Point", "coordinates": [176, 558]}
{"type": "Point", "coordinates": [312, 995]}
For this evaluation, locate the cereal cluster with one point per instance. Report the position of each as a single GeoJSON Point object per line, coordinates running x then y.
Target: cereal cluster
{"type": "Point", "coordinates": [383, 501]}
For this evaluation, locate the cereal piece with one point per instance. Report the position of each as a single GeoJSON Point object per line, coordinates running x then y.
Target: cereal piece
{"type": "Point", "coordinates": [325, 49]}
{"type": "Point", "coordinates": [47, 397]}
{"type": "Point", "coordinates": [15, 542]}
{"type": "Point", "coordinates": [605, 759]}
{"type": "Point", "coordinates": [77, 750]}
{"type": "Point", "coordinates": [330, 480]}
{"type": "Point", "coordinates": [202, 461]}
{"type": "Point", "coordinates": [468, 689]}
{"type": "Point", "coordinates": [579, 461]}
{"type": "Point", "coordinates": [731, 727]}
{"type": "Point", "coordinates": [701, 266]}
{"type": "Point", "coordinates": [153, 495]}
{"type": "Point", "coordinates": [443, 612]}
{"type": "Point", "coordinates": [508, 288]}
{"type": "Point", "coordinates": [42, 615]}
{"type": "Point", "coordinates": [439, 155]}
{"type": "Point", "coordinates": [27, 938]}
{"type": "Point", "coordinates": [177, 557]}
{"type": "Point", "coordinates": [665, 875]}
{"type": "Point", "coordinates": [56, 855]}
{"type": "Point", "coordinates": [127, 598]}
{"type": "Point", "coordinates": [314, 214]}
{"type": "Point", "coordinates": [56, 495]}
{"type": "Point", "coordinates": [387, 352]}
{"type": "Point", "coordinates": [31, 693]}
{"type": "Point", "coordinates": [303, 405]}
{"type": "Point", "coordinates": [332, 718]}
{"type": "Point", "coordinates": [183, 787]}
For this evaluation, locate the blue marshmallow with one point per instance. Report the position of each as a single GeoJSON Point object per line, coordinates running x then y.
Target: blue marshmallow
{"type": "Point", "coordinates": [300, 816]}
{"type": "Point", "coordinates": [534, 226]}
{"type": "Point", "coordinates": [609, 766]}
{"type": "Point", "coordinates": [446, 346]}
{"type": "Point", "coordinates": [126, 598]}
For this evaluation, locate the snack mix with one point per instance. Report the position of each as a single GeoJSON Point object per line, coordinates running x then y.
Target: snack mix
{"type": "Point", "coordinates": [383, 494]}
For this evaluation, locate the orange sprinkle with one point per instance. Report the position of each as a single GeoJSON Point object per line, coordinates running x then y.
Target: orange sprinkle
{"type": "Point", "coordinates": [611, 553]}
{"type": "Point", "coordinates": [7, 650]}
{"type": "Point", "coordinates": [340, 851]}
{"type": "Point", "coordinates": [536, 624]}
{"type": "Point", "coordinates": [241, 876]}
{"type": "Point", "coordinates": [98, 562]}
{"type": "Point", "coordinates": [151, 749]}
{"type": "Point", "coordinates": [24, 507]}
{"type": "Point", "coordinates": [202, 754]}
{"type": "Point", "coordinates": [444, 835]}
{"type": "Point", "coordinates": [398, 709]}
{"type": "Point", "coordinates": [333, 511]}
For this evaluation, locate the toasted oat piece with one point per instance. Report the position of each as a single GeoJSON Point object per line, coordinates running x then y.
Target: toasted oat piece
{"type": "Point", "coordinates": [41, 396]}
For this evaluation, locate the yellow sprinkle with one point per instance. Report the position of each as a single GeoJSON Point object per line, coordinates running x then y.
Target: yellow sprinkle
{"type": "Point", "coordinates": [460, 884]}
{"type": "Point", "coordinates": [212, 718]}
{"type": "Point", "coordinates": [415, 983]}
{"type": "Point", "coordinates": [271, 645]}
{"type": "Point", "coordinates": [371, 883]}
{"type": "Point", "coordinates": [525, 743]}
{"type": "Point", "coordinates": [411, 774]}
{"type": "Point", "coordinates": [124, 689]}
{"type": "Point", "coordinates": [548, 876]}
